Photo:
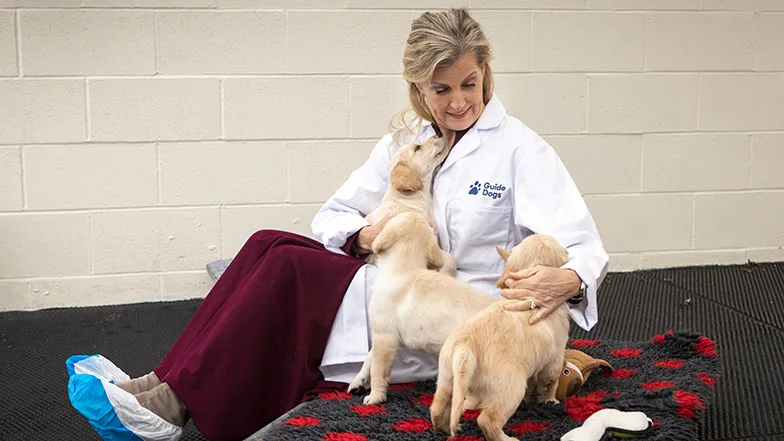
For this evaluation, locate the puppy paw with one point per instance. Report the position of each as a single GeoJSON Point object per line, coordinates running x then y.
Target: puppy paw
{"type": "Point", "coordinates": [358, 384]}
{"type": "Point", "coordinates": [450, 264]}
{"type": "Point", "coordinates": [440, 422]}
{"type": "Point", "coordinates": [440, 426]}
{"type": "Point", "coordinates": [375, 398]}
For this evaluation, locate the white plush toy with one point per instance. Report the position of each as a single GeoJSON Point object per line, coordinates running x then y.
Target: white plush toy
{"type": "Point", "coordinates": [612, 421]}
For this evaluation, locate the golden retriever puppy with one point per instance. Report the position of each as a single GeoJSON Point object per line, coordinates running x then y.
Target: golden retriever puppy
{"type": "Point", "coordinates": [411, 306]}
{"type": "Point", "coordinates": [410, 184]}
{"type": "Point", "coordinates": [496, 355]}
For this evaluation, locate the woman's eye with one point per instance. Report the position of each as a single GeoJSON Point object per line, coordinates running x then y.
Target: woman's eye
{"type": "Point", "coordinates": [440, 91]}
{"type": "Point", "coordinates": [470, 85]}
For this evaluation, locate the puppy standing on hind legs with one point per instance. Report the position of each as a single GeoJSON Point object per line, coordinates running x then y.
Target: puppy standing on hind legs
{"type": "Point", "coordinates": [493, 356]}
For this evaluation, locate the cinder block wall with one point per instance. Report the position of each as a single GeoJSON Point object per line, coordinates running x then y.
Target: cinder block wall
{"type": "Point", "coordinates": [141, 139]}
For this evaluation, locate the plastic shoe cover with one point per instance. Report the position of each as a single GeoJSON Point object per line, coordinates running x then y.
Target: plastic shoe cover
{"type": "Point", "coordinates": [114, 413]}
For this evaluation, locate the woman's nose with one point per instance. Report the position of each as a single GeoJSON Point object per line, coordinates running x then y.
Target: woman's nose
{"type": "Point", "coordinates": [458, 102]}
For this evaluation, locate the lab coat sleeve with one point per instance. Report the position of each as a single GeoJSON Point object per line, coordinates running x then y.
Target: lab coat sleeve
{"type": "Point", "coordinates": [548, 202]}
{"type": "Point", "coordinates": [344, 213]}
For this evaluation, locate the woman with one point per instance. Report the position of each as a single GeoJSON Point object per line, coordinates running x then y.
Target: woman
{"type": "Point", "coordinates": [288, 318]}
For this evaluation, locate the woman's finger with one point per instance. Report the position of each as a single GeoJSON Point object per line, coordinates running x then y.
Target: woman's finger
{"type": "Point", "coordinates": [515, 294]}
{"type": "Point", "coordinates": [520, 305]}
{"type": "Point", "coordinates": [522, 274]}
{"type": "Point", "coordinates": [538, 315]}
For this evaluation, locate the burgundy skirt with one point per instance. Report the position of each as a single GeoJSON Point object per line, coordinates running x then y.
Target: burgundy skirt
{"type": "Point", "coordinates": [253, 348]}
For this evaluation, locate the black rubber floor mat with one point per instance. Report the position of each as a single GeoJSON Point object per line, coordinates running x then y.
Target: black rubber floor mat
{"type": "Point", "coordinates": [739, 306]}
{"type": "Point", "coordinates": [753, 289]}
{"type": "Point", "coordinates": [35, 345]}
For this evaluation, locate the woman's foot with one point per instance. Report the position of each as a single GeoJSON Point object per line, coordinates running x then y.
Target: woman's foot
{"type": "Point", "coordinates": [162, 401]}
{"type": "Point", "coordinates": [115, 413]}
{"type": "Point", "coordinates": [139, 385]}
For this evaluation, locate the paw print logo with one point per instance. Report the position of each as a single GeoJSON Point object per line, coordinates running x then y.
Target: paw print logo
{"type": "Point", "coordinates": [474, 188]}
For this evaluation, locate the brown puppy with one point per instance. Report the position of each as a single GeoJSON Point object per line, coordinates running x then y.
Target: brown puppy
{"type": "Point", "coordinates": [492, 354]}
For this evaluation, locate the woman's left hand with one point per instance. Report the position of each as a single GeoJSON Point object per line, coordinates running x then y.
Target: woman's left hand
{"type": "Point", "coordinates": [547, 286]}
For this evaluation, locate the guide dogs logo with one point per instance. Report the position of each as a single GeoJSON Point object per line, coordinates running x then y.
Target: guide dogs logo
{"type": "Point", "coordinates": [494, 191]}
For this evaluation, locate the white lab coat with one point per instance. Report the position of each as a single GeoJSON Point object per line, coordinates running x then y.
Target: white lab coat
{"type": "Point", "coordinates": [500, 183]}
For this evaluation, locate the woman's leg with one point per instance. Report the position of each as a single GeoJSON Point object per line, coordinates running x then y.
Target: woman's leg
{"type": "Point", "coordinates": [250, 353]}
{"type": "Point", "coordinates": [253, 348]}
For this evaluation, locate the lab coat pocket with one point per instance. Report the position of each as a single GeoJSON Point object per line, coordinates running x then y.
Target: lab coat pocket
{"type": "Point", "coordinates": [474, 232]}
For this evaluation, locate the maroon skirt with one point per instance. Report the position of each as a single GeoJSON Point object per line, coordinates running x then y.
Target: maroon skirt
{"type": "Point", "coordinates": [253, 348]}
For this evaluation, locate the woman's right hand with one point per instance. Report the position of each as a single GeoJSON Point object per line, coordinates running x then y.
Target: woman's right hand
{"type": "Point", "coordinates": [367, 235]}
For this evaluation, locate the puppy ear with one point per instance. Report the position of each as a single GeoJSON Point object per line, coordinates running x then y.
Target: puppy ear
{"type": "Point", "coordinates": [404, 178]}
{"type": "Point", "coordinates": [501, 283]}
{"type": "Point", "coordinates": [503, 253]}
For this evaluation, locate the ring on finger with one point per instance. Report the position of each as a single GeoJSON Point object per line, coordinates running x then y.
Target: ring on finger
{"type": "Point", "coordinates": [533, 305]}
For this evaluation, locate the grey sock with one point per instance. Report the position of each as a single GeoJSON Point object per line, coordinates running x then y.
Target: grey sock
{"type": "Point", "coordinates": [162, 401]}
{"type": "Point", "coordinates": [141, 384]}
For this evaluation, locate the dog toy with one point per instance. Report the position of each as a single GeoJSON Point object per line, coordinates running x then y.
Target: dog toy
{"type": "Point", "coordinates": [611, 423]}
{"type": "Point", "coordinates": [577, 368]}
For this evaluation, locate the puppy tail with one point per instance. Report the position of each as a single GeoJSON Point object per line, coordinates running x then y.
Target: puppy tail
{"type": "Point", "coordinates": [463, 368]}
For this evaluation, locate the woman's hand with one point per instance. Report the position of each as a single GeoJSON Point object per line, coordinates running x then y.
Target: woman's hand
{"type": "Point", "coordinates": [547, 286]}
{"type": "Point", "coordinates": [367, 235]}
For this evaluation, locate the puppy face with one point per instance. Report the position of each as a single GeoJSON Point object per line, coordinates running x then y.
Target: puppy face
{"type": "Point", "coordinates": [413, 163]}
{"type": "Point", "coordinates": [536, 249]}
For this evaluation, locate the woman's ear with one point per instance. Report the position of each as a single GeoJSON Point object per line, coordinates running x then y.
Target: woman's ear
{"type": "Point", "coordinates": [405, 179]}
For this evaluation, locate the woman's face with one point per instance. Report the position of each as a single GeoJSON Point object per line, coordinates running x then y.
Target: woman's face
{"type": "Point", "coordinates": [454, 94]}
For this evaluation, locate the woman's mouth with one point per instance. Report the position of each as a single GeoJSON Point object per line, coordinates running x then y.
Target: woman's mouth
{"type": "Point", "coordinates": [459, 115]}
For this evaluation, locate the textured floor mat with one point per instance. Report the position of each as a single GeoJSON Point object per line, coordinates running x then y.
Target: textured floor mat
{"type": "Point", "coordinates": [739, 306]}
{"type": "Point", "coordinates": [35, 345]}
{"type": "Point", "coordinates": [669, 377]}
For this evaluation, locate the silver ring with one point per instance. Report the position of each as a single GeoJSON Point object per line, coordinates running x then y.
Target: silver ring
{"type": "Point", "coordinates": [533, 305]}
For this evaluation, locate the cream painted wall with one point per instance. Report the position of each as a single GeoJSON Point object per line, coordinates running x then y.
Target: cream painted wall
{"type": "Point", "coordinates": [142, 139]}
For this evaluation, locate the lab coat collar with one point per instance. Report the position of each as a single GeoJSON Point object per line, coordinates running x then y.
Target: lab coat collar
{"type": "Point", "coordinates": [490, 118]}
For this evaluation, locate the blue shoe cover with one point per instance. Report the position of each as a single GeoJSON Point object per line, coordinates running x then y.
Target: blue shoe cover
{"type": "Point", "coordinates": [114, 413]}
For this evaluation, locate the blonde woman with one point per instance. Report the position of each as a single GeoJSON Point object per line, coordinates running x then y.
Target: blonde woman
{"type": "Point", "coordinates": [288, 318]}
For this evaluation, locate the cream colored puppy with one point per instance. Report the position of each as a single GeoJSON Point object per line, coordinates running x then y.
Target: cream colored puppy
{"type": "Point", "coordinates": [411, 306]}
{"type": "Point", "coordinates": [410, 184]}
{"type": "Point", "coordinates": [496, 355]}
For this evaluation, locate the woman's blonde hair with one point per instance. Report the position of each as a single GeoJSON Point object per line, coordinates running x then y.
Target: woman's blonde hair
{"type": "Point", "coordinates": [439, 39]}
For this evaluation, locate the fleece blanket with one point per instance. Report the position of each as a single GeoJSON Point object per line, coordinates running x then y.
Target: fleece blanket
{"type": "Point", "coordinates": [671, 378]}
